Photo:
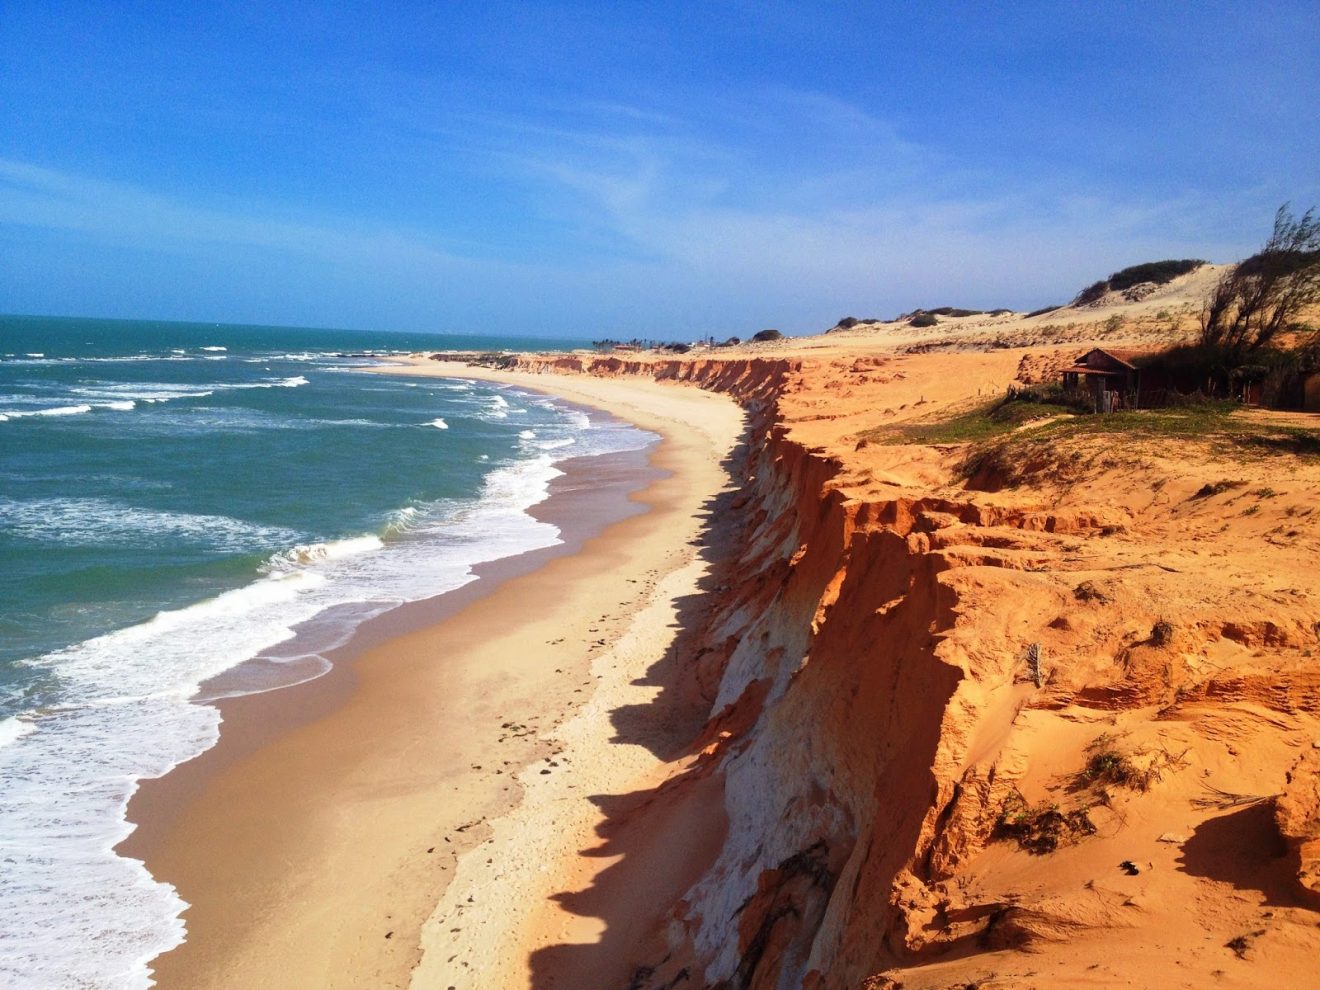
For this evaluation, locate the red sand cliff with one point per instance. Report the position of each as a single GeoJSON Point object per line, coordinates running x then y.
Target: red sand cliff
{"type": "Point", "coordinates": [876, 716]}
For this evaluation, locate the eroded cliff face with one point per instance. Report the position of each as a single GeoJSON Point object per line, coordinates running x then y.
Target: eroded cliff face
{"type": "Point", "coordinates": [901, 664]}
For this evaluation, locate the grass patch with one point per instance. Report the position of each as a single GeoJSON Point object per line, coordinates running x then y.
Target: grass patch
{"type": "Point", "coordinates": [1002, 455]}
{"type": "Point", "coordinates": [1283, 440]}
{"type": "Point", "coordinates": [984, 422]}
{"type": "Point", "coordinates": [1014, 459]}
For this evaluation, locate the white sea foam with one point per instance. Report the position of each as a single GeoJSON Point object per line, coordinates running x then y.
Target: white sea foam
{"type": "Point", "coordinates": [213, 347]}
{"type": "Point", "coordinates": [438, 423]}
{"type": "Point", "coordinates": [75, 913]}
{"type": "Point", "coordinates": [13, 729]}
{"type": "Point", "coordinates": [52, 411]}
{"type": "Point", "coordinates": [99, 521]}
{"type": "Point", "coordinates": [527, 434]}
{"type": "Point", "coordinates": [300, 556]}
{"type": "Point", "coordinates": [79, 409]}
{"type": "Point", "coordinates": [152, 393]}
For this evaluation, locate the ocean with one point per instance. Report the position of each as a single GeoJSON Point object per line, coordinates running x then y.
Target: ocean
{"type": "Point", "coordinates": [176, 499]}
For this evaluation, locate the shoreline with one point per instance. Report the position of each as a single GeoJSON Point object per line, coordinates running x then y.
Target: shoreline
{"type": "Point", "coordinates": [319, 834]}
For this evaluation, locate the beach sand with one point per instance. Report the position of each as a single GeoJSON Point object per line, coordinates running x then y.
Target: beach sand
{"type": "Point", "coordinates": [315, 841]}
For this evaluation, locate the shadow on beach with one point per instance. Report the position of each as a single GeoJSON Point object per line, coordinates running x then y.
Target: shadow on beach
{"type": "Point", "coordinates": [669, 835]}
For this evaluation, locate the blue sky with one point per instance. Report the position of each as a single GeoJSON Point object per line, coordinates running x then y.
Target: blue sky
{"type": "Point", "coordinates": [659, 169]}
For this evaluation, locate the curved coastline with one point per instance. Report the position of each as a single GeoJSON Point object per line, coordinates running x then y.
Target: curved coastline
{"type": "Point", "coordinates": [316, 838]}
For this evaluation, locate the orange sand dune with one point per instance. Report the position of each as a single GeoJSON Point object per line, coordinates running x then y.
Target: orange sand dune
{"type": "Point", "coordinates": [880, 735]}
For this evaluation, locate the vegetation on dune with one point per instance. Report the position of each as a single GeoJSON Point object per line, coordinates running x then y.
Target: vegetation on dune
{"type": "Point", "coordinates": [1159, 272]}
{"type": "Point", "coordinates": [764, 335]}
{"type": "Point", "coordinates": [1042, 828]}
{"type": "Point", "coordinates": [1251, 337]}
{"type": "Point", "coordinates": [1063, 449]}
{"type": "Point", "coordinates": [1043, 310]}
{"type": "Point", "coordinates": [1041, 432]}
{"type": "Point", "coordinates": [955, 311]}
{"type": "Point", "coordinates": [928, 317]}
{"type": "Point", "coordinates": [848, 322]}
{"type": "Point", "coordinates": [1155, 272]}
{"type": "Point", "coordinates": [1019, 408]}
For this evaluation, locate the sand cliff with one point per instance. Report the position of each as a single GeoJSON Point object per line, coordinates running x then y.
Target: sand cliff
{"type": "Point", "coordinates": [1055, 723]}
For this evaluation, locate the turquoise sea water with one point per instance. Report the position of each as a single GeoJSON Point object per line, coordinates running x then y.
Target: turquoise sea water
{"type": "Point", "coordinates": [176, 499]}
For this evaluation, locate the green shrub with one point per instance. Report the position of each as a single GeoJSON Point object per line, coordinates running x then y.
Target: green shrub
{"type": "Point", "coordinates": [1093, 292]}
{"type": "Point", "coordinates": [765, 335]}
{"type": "Point", "coordinates": [954, 311]}
{"type": "Point", "coordinates": [923, 320]}
{"type": "Point", "coordinates": [1042, 311]}
{"type": "Point", "coordinates": [1158, 272]}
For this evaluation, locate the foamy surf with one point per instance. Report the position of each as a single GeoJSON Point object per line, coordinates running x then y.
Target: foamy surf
{"type": "Point", "coordinates": [99, 521]}
{"type": "Point", "coordinates": [127, 714]}
{"type": "Point", "coordinates": [116, 707]}
{"type": "Point", "coordinates": [13, 729]}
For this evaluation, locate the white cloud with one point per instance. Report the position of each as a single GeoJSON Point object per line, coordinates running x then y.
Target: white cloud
{"type": "Point", "coordinates": [683, 220]}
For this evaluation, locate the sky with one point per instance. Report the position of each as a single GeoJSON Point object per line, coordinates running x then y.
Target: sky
{"type": "Point", "coordinates": [666, 170]}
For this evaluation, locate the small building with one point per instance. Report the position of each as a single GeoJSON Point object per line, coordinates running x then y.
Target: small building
{"type": "Point", "coordinates": [1107, 377]}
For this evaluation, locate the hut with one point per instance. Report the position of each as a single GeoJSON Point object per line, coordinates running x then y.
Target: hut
{"type": "Point", "coordinates": [1108, 379]}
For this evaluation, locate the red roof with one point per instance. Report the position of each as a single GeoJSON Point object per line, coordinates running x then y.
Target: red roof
{"type": "Point", "coordinates": [1124, 356]}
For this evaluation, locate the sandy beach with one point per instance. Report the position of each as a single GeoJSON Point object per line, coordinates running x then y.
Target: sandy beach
{"type": "Point", "coordinates": [315, 841]}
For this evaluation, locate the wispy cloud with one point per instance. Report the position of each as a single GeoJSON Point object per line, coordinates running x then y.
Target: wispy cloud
{"type": "Point", "coordinates": [40, 197]}
{"type": "Point", "coordinates": [704, 218]}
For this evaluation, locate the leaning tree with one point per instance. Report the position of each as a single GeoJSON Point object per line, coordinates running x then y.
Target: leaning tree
{"type": "Point", "coordinates": [1263, 296]}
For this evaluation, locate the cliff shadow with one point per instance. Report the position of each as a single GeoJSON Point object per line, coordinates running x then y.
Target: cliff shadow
{"type": "Point", "coordinates": [663, 838]}
{"type": "Point", "coordinates": [669, 723]}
